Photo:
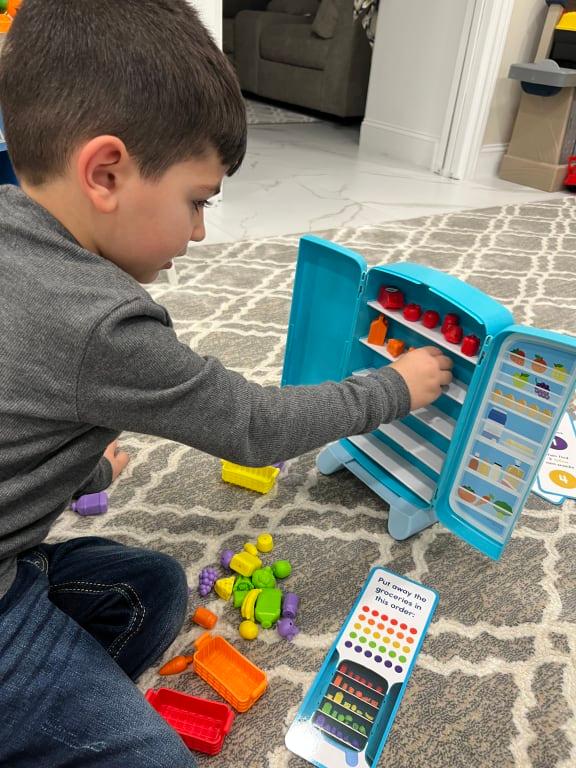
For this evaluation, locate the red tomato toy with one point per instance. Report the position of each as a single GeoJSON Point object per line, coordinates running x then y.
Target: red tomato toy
{"type": "Point", "coordinates": [454, 334]}
{"type": "Point", "coordinates": [450, 319]}
{"type": "Point", "coordinates": [430, 318]}
{"type": "Point", "coordinates": [391, 298]}
{"type": "Point", "coordinates": [412, 312]}
{"type": "Point", "coordinates": [470, 345]}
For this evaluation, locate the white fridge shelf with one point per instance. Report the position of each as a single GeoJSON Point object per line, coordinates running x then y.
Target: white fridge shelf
{"type": "Point", "coordinates": [397, 466]}
{"type": "Point", "coordinates": [456, 390]}
{"type": "Point", "coordinates": [433, 335]}
{"type": "Point", "coordinates": [411, 441]}
{"type": "Point", "coordinates": [436, 419]}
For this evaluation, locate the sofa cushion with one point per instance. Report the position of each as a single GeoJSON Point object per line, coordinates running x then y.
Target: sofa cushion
{"type": "Point", "coordinates": [297, 7]}
{"type": "Point", "coordinates": [231, 8]}
{"type": "Point", "coordinates": [326, 19]}
{"type": "Point", "coordinates": [293, 44]}
{"type": "Point", "coordinates": [228, 35]}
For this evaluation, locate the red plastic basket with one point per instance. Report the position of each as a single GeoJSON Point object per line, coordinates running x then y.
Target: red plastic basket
{"type": "Point", "coordinates": [202, 724]}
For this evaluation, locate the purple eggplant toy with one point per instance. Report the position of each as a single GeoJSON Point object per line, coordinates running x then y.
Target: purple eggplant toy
{"type": "Point", "coordinates": [290, 605]}
{"type": "Point", "coordinates": [91, 504]}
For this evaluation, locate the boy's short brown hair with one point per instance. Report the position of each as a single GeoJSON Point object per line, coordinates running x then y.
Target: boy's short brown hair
{"type": "Point", "coordinates": [146, 71]}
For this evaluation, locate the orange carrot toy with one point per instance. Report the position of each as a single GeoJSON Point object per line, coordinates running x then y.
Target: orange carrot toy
{"type": "Point", "coordinates": [176, 665]}
{"type": "Point", "coordinates": [204, 617]}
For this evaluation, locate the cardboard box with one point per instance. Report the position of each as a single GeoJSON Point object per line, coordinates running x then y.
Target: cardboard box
{"type": "Point", "coordinates": [530, 173]}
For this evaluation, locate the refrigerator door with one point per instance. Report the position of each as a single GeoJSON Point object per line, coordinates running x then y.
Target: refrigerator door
{"type": "Point", "coordinates": [523, 384]}
{"type": "Point", "coordinates": [327, 291]}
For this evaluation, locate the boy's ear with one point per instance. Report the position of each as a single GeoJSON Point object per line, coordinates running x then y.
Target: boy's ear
{"type": "Point", "coordinates": [103, 165]}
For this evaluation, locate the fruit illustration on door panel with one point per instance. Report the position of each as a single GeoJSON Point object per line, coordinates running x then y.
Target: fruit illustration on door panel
{"type": "Point", "coordinates": [559, 373]}
{"type": "Point", "coordinates": [517, 356]}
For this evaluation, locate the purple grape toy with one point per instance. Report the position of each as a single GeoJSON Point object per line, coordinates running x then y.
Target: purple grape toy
{"type": "Point", "coordinates": [225, 558]}
{"type": "Point", "coordinates": [206, 580]}
{"type": "Point", "coordinates": [290, 605]}
{"type": "Point", "coordinates": [287, 629]}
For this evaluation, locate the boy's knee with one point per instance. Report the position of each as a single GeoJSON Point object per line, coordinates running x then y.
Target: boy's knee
{"type": "Point", "coordinates": [170, 587]}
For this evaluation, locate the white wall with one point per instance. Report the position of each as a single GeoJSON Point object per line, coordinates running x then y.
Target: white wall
{"type": "Point", "coordinates": [521, 44]}
{"type": "Point", "coordinates": [414, 61]}
{"type": "Point", "coordinates": [211, 14]}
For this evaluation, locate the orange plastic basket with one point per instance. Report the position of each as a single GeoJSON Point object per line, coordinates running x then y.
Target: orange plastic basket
{"type": "Point", "coordinates": [230, 673]}
{"type": "Point", "coordinates": [5, 24]}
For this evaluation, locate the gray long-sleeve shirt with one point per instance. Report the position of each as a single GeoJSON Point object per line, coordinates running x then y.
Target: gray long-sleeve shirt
{"type": "Point", "coordinates": [85, 353]}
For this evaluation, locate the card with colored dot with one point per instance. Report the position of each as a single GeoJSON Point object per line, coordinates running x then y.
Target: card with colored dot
{"type": "Point", "coordinates": [348, 712]}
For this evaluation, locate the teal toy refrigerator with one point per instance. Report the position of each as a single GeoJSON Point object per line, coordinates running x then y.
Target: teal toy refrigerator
{"type": "Point", "coordinates": [468, 460]}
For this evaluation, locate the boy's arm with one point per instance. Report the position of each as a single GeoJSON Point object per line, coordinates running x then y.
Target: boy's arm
{"type": "Point", "coordinates": [111, 465]}
{"type": "Point", "coordinates": [136, 375]}
{"type": "Point", "coordinates": [98, 481]}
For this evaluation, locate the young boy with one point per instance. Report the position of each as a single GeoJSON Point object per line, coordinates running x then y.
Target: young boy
{"type": "Point", "coordinates": [122, 117]}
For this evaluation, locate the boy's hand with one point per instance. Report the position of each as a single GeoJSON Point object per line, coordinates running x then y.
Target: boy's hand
{"type": "Point", "coordinates": [425, 370]}
{"type": "Point", "coordinates": [117, 458]}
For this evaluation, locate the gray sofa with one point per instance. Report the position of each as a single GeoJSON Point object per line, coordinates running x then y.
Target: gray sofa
{"type": "Point", "coordinates": [314, 56]}
{"type": "Point", "coordinates": [231, 8]}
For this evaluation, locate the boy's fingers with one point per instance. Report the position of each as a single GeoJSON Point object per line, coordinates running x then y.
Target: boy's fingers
{"type": "Point", "coordinates": [119, 463]}
{"type": "Point", "coordinates": [122, 458]}
{"type": "Point", "coordinates": [111, 449]}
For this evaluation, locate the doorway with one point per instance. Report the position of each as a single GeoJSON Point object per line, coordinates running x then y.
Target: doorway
{"type": "Point", "coordinates": [433, 75]}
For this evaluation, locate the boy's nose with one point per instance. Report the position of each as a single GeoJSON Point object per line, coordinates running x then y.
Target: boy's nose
{"type": "Point", "coordinates": [198, 233]}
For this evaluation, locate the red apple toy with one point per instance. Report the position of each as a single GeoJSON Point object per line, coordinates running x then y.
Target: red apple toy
{"type": "Point", "coordinates": [412, 312]}
{"type": "Point", "coordinates": [454, 334]}
{"type": "Point", "coordinates": [470, 345]}
{"type": "Point", "coordinates": [391, 298]}
{"type": "Point", "coordinates": [430, 318]}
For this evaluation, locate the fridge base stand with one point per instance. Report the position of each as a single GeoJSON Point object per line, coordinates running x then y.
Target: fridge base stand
{"type": "Point", "coordinates": [404, 519]}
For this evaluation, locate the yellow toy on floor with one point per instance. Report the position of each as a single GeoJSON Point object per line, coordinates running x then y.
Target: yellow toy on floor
{"type": "Point", "coordinates": [260, 479]}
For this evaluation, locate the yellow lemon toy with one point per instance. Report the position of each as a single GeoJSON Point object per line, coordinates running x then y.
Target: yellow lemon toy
{"type": "Point", "coordinates": [248, 630]}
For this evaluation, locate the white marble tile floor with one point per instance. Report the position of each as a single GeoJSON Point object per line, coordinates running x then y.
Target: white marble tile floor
{"type": "Point", "coordinates": [300, 178]}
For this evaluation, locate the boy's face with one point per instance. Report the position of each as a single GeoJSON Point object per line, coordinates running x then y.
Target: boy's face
{"type": "Point", "coordinates": [155, 219]}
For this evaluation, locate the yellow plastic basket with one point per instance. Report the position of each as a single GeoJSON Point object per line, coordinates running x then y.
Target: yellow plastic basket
{"type": "Point", "coordinates": [259, 479]}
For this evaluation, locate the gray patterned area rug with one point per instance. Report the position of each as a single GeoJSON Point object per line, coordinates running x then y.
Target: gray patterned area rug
{"type": "Point", "coordinates": [261, 113]}
{"type": "Point", "coordinates": [495, 683]}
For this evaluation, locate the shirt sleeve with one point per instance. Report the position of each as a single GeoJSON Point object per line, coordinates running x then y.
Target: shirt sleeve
{"type": "Point", "coordinates": [98, 481]}
{"type": "Point", "coordinates": [136, 375]}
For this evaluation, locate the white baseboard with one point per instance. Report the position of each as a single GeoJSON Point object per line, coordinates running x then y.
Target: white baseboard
{"type": "Point", "coordinates": [489, 160]}
{"type": "Point", "coordinates": [399, 143]}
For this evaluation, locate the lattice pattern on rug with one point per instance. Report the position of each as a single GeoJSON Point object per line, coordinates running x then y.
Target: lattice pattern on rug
{"type": "Point", "coordinates": [495, 684]}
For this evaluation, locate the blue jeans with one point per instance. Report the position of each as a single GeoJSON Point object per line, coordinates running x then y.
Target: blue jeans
{"type": "Point", "coordinates": [81, 621]}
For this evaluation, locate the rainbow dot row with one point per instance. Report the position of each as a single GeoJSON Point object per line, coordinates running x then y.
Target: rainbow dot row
{"type": "Point", "coordinates": [374, 631]}
{"type": "Point", "coordinates": [377, 658]}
